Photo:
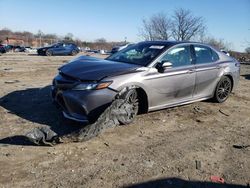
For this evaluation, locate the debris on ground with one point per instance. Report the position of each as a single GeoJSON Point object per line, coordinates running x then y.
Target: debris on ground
{"type": "Point", "coordinates": [241, 146]}
{"type": "Point", "coordinates": [197, 109]}
{"type": "Point", "coordinates": [223, 113]}
{"type": "Point", "coordinates": [106, 144]}
{"type": "Point", "coordinates": [197, 165]}
{"type": "Point", "coordinates": [217, 179]}
{"type": "Point", "coordinates": [43, 136]}
{"type": "Point", "coordinates": [111, 117]}
{"type": "Point", "coordinates": [11, 81]}
{"type": "Point", "coordinates": [7, 69]}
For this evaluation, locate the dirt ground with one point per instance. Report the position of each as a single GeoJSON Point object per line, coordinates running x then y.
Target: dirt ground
{"type": "Point", "coordinates": [177, 147]}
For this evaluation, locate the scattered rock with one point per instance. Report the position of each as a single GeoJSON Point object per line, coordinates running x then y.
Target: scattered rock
{"type": "Point", "coordinates": [106, 144]}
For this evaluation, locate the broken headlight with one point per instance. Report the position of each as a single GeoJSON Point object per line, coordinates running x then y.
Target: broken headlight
{"type": "Point", "coordinates": [91, 86]}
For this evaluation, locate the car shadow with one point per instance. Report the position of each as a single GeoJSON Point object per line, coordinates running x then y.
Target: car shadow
{"type": "Point", "coordinates": [35, 105]}
{"type": "Point", "coordinates": [246, 76]}
{"type": "Point", "coordinates": [180, 183]}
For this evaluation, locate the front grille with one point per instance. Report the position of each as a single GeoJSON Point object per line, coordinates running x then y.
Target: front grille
{"type": "Point", "coordinates": [64, 82]}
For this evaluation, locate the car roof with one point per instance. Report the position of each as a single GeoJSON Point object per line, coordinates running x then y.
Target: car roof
{"type": "Point", "coordinates": [171, 43]}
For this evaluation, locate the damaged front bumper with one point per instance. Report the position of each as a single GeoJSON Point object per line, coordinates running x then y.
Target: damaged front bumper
{"type": "Point", "coordinates": [82, 106]}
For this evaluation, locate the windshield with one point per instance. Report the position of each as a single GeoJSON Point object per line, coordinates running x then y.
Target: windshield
{"type": "Point", "coordinates": [140, 54]}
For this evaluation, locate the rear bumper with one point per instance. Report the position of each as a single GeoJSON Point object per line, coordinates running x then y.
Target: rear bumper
{"type": "Point", "coordinates": [83, 106]}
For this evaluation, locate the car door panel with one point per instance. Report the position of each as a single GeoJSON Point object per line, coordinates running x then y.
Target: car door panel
{"type": "Point", "coordinates": [172, 86]}
{"type": "Point", "coordinates": [207, 76]}
{"type": "Point", "coordinates": [58, 50]}
{"type": "Point", "coordinates": [207, 72]}
{"type": "Point", "coordinates": [176, 83]}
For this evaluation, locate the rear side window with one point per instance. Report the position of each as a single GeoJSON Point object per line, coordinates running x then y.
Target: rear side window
{"type": "Point", "coordinates": [215, 56]}
{"type": "Point", "coordinates": [68, 45]}
{"type": "Point", "coordinates": [204, 55]}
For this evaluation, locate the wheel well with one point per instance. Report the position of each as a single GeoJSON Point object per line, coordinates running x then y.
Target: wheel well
{"type": "Point", "coordinates": [231, 79]}
{"type": "Point", "coordinates": [143, 101]}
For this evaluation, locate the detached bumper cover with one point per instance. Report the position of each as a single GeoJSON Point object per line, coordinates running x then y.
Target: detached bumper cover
{"type": "Point", "coordinates": [83, 105]}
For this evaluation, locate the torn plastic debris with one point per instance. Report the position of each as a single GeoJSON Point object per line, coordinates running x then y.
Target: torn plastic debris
{"type": "Point", "coordinates": [119, 110]}
{"type": "Point", "coordinates": [108, 119]}
{"type": "Point", "coordinates": [43, 136]}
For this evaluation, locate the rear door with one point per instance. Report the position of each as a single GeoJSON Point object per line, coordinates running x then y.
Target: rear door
{"type": "Point", "coordinates": [207, 71]}
{"type": "Point", "coordinates": [58, 49]}
{"type": "Point", "coordinates": [68, 48]}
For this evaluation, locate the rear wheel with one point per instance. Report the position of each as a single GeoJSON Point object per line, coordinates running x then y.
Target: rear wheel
{"type": "Point", "coordinates": [74, 52]}
{"type": "Point", "coordinates": [223, 89]}
{"type": "Point", "coordinates": [48, 53]}
{"type": "Point", "coordinates": [129, 108]}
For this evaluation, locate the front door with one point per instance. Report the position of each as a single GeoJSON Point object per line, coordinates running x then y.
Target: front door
{"type": "Point", "coordinates": [174, 84]}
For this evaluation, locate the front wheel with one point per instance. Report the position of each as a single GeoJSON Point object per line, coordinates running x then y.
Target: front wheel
{"type": "Point", "coordinates": [223, 89]}
{"type": "Point", "coordinates": [129, 108]}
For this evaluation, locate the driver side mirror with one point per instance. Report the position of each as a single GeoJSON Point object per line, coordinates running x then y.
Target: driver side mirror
{"type": "Point", "coordinates": [166, 64]}
{"type": "Point", "coordinates": [161, 66]}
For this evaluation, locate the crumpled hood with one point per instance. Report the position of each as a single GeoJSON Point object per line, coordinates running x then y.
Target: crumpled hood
{"type": "Point", "coordinates": [91, 68]}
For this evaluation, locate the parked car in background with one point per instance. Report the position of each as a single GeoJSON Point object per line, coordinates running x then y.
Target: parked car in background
{"type": "Point", "coordinates": [119, 47]}
{"type": "Point", "coordinates": [155, 75]}
{"type": "Point", "coordinates": [9, 47]}
{"type": "Point", "coordinates": [59, 49]}
{"type": "Point", "coordinates": [226, 52]}
{"type": "Point", "coordinates": [19, 49]}
{"type": "Point", "coordinates": [2, 49]}
{"type": "Point", "coordinates": [30, 49]}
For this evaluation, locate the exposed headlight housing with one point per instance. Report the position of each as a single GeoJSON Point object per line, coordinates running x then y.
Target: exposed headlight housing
{"type": "Point", "coordinates": [92, 86]}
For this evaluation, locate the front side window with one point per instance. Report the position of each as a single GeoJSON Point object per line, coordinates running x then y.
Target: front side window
{"type": "Point", "coordinates": [204, 55]}
{"type": "Point", "coordinates": [141, 54]}
{"type": "Point", "coordinates": [179, 56]}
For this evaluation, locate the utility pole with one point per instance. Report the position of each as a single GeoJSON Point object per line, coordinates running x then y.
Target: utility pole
{"type": "Point", "coordinates": [40, 37]}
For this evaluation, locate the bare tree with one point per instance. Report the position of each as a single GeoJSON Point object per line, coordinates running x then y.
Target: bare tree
{"type": "Point", "coordinates": [68, 37]}
{"type": "Point", "coordinates": [186, 26]}
{"type": "Point", "coordinates": [247, 50]}
{"type": "Point", "coordinates": [101, 40]}
{"type": "Point", "coordinates": [158, 27]}
{"type": "Point", "coordinates": [217, 43]}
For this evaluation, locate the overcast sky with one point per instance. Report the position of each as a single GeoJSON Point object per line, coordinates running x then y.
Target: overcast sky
{"type": "Point", "coordinates": [117, 19]}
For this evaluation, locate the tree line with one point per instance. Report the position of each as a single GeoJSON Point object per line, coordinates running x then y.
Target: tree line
{"type": "Point", "coordinates": [27, 38]}
{"type": "Point", "coordinates": [182, 25]}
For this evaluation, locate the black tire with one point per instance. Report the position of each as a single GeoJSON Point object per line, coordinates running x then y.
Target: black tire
{"type": "Point", "coordinates": [223, 89]}
{"type": "Point", "coordinates": [74, 52]}
{"type": "Point", "coordinates": [48, 53]}
{"type": "Point", "coordinates": [129, 108]}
